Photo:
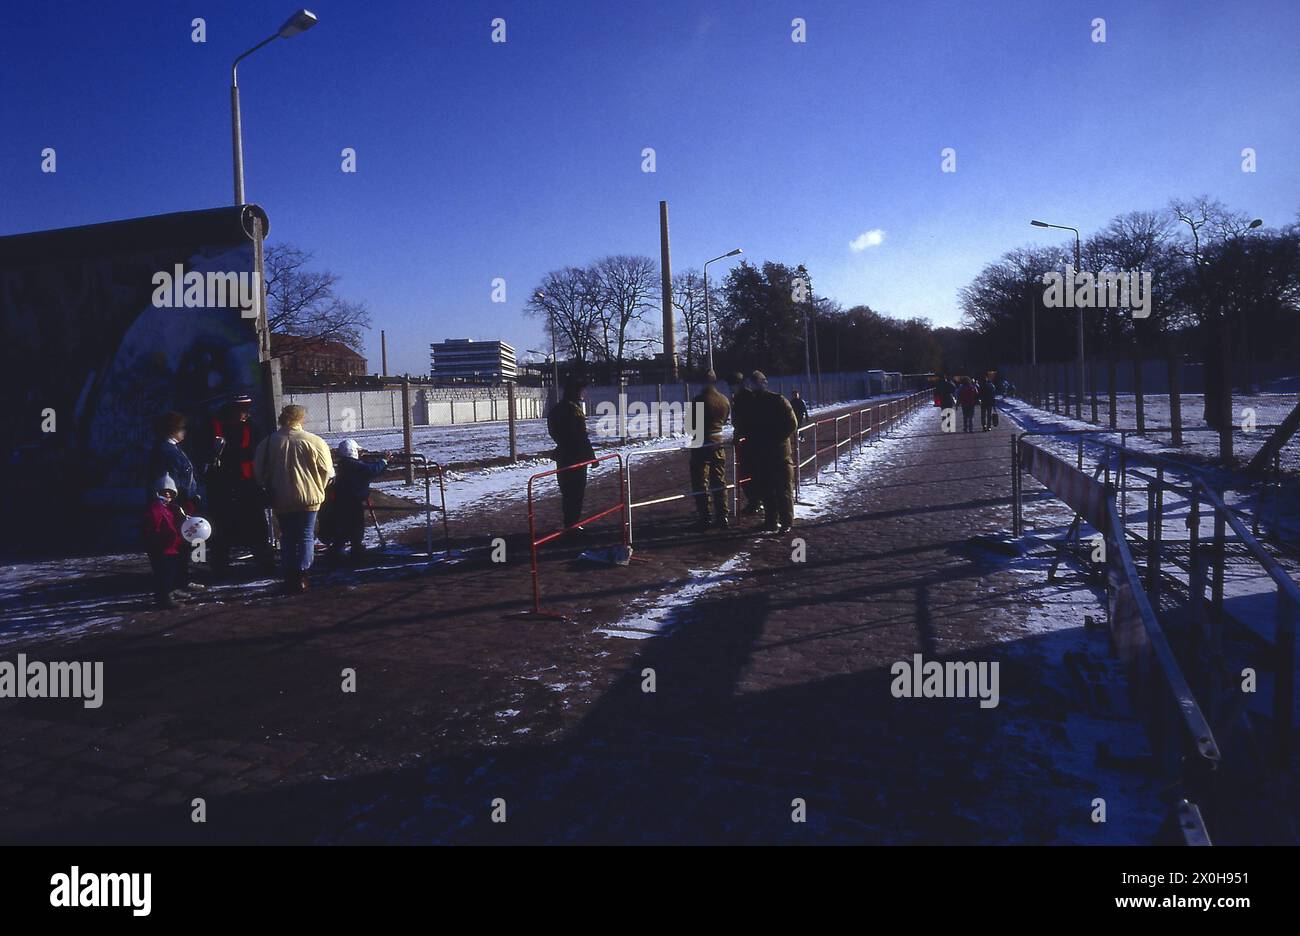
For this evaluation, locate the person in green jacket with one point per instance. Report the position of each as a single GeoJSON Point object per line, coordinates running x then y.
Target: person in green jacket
{"type": "Point", "coordinates": [709, 461]}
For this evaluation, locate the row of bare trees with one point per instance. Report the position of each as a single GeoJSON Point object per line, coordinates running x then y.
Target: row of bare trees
{"type": "Point", "coordinates": [1224, 288]}
{"type": "Point", "coordinates": [608, 311]}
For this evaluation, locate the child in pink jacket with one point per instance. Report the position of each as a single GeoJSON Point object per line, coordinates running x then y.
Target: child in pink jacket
{"type": "Point", "coordinates": [168, 552]}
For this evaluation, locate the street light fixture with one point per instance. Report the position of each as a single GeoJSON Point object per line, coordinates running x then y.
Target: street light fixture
{"type": "Point", "coordinates": [299, 22]}
{"type": "Point", "coordinates": [1078, 398]}
{"type": "Point", "coordinates": [539, 297]}
{"type": "Point", "coordinates": [708, 321]}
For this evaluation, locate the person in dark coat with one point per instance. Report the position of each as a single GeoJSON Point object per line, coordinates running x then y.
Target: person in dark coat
{"type": "Point", "coordinates": [800, 407]}
{"type": "Point", "coordinates": [170, 459]}
{"type": "Point", "coordinates": [567, 425]}
{"type": "Point", "coordinates": [945, 394]}
{"type": "Point", "coordinates": [236, 502]}
{"type": "Point", "coordinates": [348, 497]}
{"type": "Point", "coordinates": [988, 402]}
{"type": "Point", "coordinates": [742, 405]}
{"type": "Point", "coordinates": [774, 425]}
{"type": "Point", "coordinates": [709, 461]}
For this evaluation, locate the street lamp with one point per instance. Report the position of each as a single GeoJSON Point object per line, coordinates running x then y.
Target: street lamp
{"type": "Point", "coordinates": [708, 322]}
{"type": "Point", "coordinates": [1078, 399]}
{"type": "Point", "coordinates": [540, 298]}
{"type": "Point", "coordinates": [299, 22]}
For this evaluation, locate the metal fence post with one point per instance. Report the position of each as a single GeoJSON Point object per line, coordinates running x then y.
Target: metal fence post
{"type": "Point", "coordinates": [510, 415]}
{"type": "Point", "coordinates": [406, 428]}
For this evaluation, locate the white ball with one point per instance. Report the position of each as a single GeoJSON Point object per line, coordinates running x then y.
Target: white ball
{"type": "Point", "coordinates": [195, 529]}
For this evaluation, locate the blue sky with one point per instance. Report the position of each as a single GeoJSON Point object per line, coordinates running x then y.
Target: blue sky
{"type": "Point", "coordinates": [478, 160]}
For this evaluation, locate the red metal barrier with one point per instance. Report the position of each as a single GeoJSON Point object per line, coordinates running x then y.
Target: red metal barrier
{"type": "Point", "coordinates": [535, 543]}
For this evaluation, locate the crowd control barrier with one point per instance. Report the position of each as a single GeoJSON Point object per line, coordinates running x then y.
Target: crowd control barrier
{"type": "Point", "coordinates": [428, 467]}
{"type": "Point", "coordinates": [733, 487]}
{"type": "Point", "coordinates": [536, 542]}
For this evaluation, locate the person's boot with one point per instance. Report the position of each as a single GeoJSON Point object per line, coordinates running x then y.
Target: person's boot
{"type": "Point", "coordinates": [304, 582]}
{"type": "Point", "coordinates": [701, 522]}
{"type": "Point", "coordinates": [720, 511]}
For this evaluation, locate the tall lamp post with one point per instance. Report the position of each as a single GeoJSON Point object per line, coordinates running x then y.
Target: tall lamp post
{"type": "Point", "coordinates": [708, 321]}
{"type": "Point", "coordinates": [1223, 414]}
{"type": "Point", "coordinates": [540, 298]}
{"type": "Point", "coordinates": [1078, 397]}
{"type": "Point", "coordinates": [299, 22]}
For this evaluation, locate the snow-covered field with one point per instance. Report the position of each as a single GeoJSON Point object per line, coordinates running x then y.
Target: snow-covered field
{"type": "Point", "coordinates": [1264, 409]}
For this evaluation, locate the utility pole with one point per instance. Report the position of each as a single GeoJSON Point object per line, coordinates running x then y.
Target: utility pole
{"type": "Point", "coordinates": [666, 283]}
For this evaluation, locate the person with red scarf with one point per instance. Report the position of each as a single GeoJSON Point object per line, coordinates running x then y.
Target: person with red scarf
{"type": "Point", "coordinates": [237, 504]}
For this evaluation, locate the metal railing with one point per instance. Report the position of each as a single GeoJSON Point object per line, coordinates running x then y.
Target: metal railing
{"type": "Point", "coordinates": [535, 543]}
{"type": "Point", "coordinates": [1199, 625]}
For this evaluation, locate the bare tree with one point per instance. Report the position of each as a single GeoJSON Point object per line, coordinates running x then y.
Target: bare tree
{"type": "Point", "coordinates": [1216, 235]}
{"type": "Point", "coordinates": [567, 301]}
{"type": "Point", "coordinates": [625, 287]}
{"type": "Point", "coordinates": [688, 300]}
{"type": "Point", "coordinates": [302, 302]}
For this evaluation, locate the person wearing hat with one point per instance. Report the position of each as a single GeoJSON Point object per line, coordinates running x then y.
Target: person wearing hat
{"type": "Point", "coordinates": [709, 461]}
{"type": "Point", "coordinates": [167, 552]}
{"type": "Point", "coordinates": [774, 424]}
{"type": "Point", "coordinates": [350, 495]}
{"type": "Point", "coordinates": [567, 425]}
{"type": "Point", "coordinates": [237, 505]}
{"type": "Point", "coordinates": [294, 466]}
{"type": "Point", "coordinates": [742, 404]}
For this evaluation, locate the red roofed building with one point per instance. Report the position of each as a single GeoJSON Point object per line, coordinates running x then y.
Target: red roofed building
{"type": "Point", "coordinates": [309, 359]}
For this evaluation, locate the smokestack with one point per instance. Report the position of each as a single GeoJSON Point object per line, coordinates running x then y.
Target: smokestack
{"type": "Point", "coordinates": [383, 351]}
{"type": "Point", "coordinates": [666, 270]}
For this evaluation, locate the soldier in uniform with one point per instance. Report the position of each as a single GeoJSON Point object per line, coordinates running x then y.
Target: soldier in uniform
{"type": "Point", "coordinates": [742, 404]}
{"type": "Point", "coordinates": [709, 461]}
{"type": "Point", "coordinates": [567, 425]}
{"type": "Point", "coordinates": [775, 423]}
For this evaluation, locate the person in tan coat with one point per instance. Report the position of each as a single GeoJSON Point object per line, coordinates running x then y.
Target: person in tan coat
{"type": "Point", "coordinates": [294, 466]}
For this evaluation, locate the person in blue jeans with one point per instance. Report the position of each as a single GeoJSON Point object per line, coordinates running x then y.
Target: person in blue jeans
{"type": "Point", "coordinates": [294, 466]}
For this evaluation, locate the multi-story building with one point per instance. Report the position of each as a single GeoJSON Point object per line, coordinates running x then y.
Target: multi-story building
{"type": "Point", "coordinates": [464, 360]}
{"type": "Point", "coordinates": [313, 359]}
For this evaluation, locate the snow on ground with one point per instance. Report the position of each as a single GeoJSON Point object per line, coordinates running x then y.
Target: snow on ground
{"type": "Point", "coordinates": [1269, 409]}
{"type": "Point", "coordinates": [500, 485]}
{"type": "Point", "coordinates": [67, 598]}
{"type": "Point", "coordinates": [484, 441]}
{"type": "Point", "coordinates": [651, 615]}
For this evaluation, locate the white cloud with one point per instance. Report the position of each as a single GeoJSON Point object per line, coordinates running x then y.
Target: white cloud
{"type": "Point", "coordinates": [873, 238]}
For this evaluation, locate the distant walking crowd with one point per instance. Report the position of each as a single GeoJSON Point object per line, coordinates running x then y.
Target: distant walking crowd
{"type": "Point", "coordinates": [967, 393]}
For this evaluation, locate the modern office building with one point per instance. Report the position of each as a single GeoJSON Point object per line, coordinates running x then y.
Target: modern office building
{"type": "Point", "coordinates": [464, 360]}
